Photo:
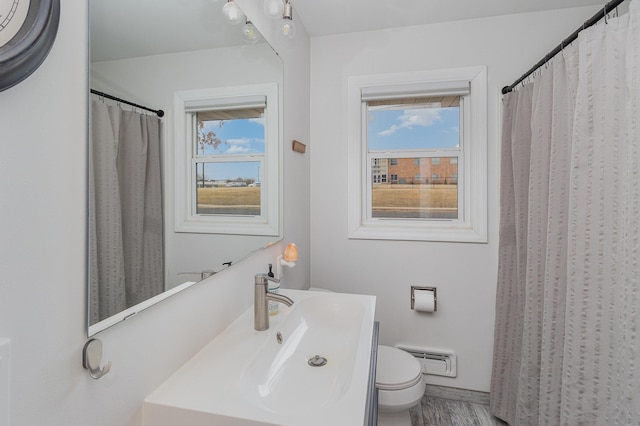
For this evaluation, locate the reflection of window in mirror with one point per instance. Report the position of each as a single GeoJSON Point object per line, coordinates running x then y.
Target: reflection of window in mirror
{"type": "Point", "coordinates": [227, 160]}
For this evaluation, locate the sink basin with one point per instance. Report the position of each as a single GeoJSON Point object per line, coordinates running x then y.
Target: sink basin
{"type": "Point", "coordinates": [247, 377]}
{"type": "Point", "coordinates": [326, 327]}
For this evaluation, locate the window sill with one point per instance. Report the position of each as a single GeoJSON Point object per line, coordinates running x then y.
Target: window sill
{"type": "Point", "coordinates": [436, 232]}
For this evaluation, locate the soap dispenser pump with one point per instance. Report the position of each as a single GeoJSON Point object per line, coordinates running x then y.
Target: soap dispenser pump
{"type": "Point", "coordinates": [274, 287]}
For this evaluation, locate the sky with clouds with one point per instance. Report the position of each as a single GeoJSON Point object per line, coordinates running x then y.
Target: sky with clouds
{"type": "Point", "coordinates": [419, 128]}
{"type": "Point", "coordinates": [239, 137]}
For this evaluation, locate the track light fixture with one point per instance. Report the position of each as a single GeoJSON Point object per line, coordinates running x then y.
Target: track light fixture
{"type": "Point", "coordinates": [249, 33]}
{"type": "Point", "coordinates": [232, 13]}
{"type": "Point", "coordinates": [272, 8]}
{"type": "Point", "coordinates": [287, 27]}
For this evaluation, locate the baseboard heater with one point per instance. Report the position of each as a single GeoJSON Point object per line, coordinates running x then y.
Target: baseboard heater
{"type": "Point", "coordinates": [437, 362]}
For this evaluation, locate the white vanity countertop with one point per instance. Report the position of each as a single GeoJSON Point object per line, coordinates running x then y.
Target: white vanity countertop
{"type": "Point", "coordinates": [219, 385]}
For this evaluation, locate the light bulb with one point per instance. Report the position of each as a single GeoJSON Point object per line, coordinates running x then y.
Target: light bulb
{"type": "Point", "coordinates": [288, 28]}
{"type": "Point", "coordinates": [249, 33]}
{"type": "Point", "coordinates": [232, 12]}
{"type": "Point", "coordinates": [273, 8]}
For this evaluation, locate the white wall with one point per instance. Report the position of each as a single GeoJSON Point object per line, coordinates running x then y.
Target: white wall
{"type": "Point", "coordinates": [296, 56]}
{"type": "Point", "coordinates": [464, 274]}
{"type": "Point", "coordinates": [42, 253]}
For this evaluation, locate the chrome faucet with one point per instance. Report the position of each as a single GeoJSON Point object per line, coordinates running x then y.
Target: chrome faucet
{"type": "Point", "coordinates": [262, 296]}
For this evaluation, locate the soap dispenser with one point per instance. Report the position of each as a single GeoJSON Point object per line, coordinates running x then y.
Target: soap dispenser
{"type": "Point", "coordinates": [274, 287]}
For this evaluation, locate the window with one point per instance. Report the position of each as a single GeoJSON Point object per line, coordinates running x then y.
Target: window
{"type": "Point", "coordinates": [410, 123]}
{"type": "Point", "coordinates": [229, 155]}
{"type": "Point", "coordinates": [227, 160]}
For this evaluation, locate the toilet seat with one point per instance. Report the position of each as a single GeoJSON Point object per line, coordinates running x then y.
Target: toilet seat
{"type": "Point", "coordinates": [396, 369]}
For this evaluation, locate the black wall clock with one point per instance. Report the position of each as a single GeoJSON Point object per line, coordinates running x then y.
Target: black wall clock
{"type": "Point", "coordinates": [27, 31]}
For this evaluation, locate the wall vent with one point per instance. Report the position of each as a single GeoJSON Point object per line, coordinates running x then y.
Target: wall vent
{"type": "Point", "coordinates": [437, 362]}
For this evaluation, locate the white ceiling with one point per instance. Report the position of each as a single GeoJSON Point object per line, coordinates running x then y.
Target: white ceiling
{"type": "Point", "coordinates": [131, 28]}
{"type": "Point", "coordinates": [326, 17]}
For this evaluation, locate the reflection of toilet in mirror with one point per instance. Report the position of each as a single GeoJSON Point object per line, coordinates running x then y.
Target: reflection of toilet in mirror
{"type": "Point", "coordinates": [399, 381]}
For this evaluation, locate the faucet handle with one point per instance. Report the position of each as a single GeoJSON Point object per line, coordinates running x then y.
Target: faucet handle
{"type": "Point", "coordinates": [262, 278]}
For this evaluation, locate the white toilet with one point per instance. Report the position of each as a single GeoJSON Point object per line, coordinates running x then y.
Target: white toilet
{"type": "Point", "coordinates": [399, 381]}
{"type": "Point", "coordinates": [400, 385]}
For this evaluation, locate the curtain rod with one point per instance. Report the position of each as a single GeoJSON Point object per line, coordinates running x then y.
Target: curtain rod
{"type": "Point", "coordinates": [159, 112]}
{"type": "Point", "coordinates": [590, 22]}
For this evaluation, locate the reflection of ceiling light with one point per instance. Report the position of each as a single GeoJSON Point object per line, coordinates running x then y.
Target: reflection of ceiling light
{"type": "Point", "coordinates": [273, 8]}
{"type": "Point", "coordinates": [232, 12]}
{"type": "Point", "coordinates": [249, 33]}
{"type": "Point", "coordinates": [287, 27]}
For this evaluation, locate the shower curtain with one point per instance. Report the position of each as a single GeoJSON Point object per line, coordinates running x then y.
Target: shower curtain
{"type": "Point", "coordinates": [125, 210]}
{"type": "Point", "coordinates": [567, 350]}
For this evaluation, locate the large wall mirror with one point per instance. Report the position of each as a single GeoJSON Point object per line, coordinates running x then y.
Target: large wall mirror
{"type": "Point", "coordinates": [150, 53]}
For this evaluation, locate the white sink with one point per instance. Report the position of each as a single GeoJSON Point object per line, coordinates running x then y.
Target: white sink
{"type": "Point", "coordinates": [246, 377]}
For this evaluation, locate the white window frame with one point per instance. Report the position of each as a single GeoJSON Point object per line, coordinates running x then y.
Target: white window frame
{"type": "Point", "coordinates": [472, 165]}
{"type": "Point", "coordinates": [268, 223]}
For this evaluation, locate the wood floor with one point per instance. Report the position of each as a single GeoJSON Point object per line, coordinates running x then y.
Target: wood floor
{"type": "Point", "coordinates": [442, 406]}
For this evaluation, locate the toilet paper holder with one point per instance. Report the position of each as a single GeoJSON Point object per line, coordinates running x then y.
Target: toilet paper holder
{"type": "Point", "coordinates": [432, 289]}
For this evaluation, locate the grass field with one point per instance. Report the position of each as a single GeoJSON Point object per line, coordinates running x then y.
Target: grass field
{"type": "Point", "coordinates": [229, 200]}
{"type": "Point", "coordinates": [388, 200]}
{"type": "Point", "coordinates": [229, 196]}
{"type": "Point", "coordinates": [443, 196]}
{"type": "Point", "coordinates": [413, 201]}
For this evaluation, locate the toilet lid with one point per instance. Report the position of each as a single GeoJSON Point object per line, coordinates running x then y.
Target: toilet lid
{"type": "Point", "coordinates": [396, 369]}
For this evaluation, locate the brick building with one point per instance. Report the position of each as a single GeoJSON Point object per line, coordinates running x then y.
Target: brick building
{"type": "Point", "coordinates": [433, 170]}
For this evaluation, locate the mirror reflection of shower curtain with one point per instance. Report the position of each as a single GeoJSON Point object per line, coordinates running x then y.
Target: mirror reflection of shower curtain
{"type": "Point", "coordinates": [125, 210]}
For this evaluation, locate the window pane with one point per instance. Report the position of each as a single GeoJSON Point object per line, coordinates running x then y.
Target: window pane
{"type": "Point", "coordinates": [229, 188]}
{"type": "Point", "coordinates": [426, 190]}
{"type": "Point", "coordinates": [230, 132]}
{"type": "Point", "coordinates": [412, 127]}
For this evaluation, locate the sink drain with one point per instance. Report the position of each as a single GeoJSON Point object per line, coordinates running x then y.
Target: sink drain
{"type": "Point", "coordinates": [317, 361]}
